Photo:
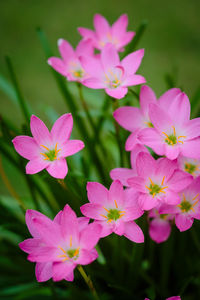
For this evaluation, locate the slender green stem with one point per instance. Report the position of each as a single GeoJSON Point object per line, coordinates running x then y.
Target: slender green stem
{"type": "Point", "coordinates": [20, 98]}
{"type": "Point", "coordinates": [88, 282]}
{"type": "Point", "coordinates": [115, 106]}
{"type": "Point", "coordinates": [10, 187]}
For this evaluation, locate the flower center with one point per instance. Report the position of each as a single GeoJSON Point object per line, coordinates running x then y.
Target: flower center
{"type": "Point", "coordinates": [172, 139]}
{"type": "Point", "coordinates": [149, 124]}
{"type": "Point", "coordinates": [163, 216]}
{"type": "Point", "coordinates": [113, 79]}
{"type": "Point", "coordinates": [51, 154]}
{"type": "Point", "coordinates": [155, 189]}
{"type": "Point", "coordinates": [78, 73]}
{"type": "Point", "coordinates": [70, 253]}
{"type": "Point", "coordinates": [113, 214]}
{"type": "Point", "coordinates": [190, 168]}
{"type": "Point", "coordinates": [186, 206]}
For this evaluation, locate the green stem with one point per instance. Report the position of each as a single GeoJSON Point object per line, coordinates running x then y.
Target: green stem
{"type": "Point", "coordinates": [88, 282]}
{"type": "Point", "coordinates": [20, 98]}
{"type": "Point", "coordinates": [115, 106]}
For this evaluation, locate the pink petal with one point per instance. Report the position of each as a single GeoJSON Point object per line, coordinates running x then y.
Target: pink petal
{"type": "Point", "coordinates": [36, 165]}
{"type": "Point", "coordinates": [134, 153]}
{"type": "Point", "coordinates": [127, 37]}
{"type": "Point", "coordinates": [117, 93]}
{"type": "Point", "coordinates": [191, 148]}
{"type": "Point", "coordinates": [71, 147]}
{"type": "Point", "coordinates": [165, 167]}
{"type": "Point", "coordinates": [179, 181]}
{"type": "Point", "coordinates": [30, 215]}
{"type": "Point", "coordinates": [89, 236]}
{"type": "Point", "coordinates": [86, 33]}
{"type": "Point", "coordinates": [92, 66]}
{"type": "Point", "coordinates": [69, 224]}
{"type": "Point", "coordinates": [138, 183]}
{"type": "Point", "coordinates": [172, 198]}
{"type": "Point", "coordinates": [93, 211]}
{"type": "Point", "coordinates": [30, 245]}
{"type": "Point", "coordinates": [119, 27]}
{"type": "Point", "coordinates": [128, 117]}
{"type": "Point", "coordinates": [83, 223]}
{"type": "Point", "coordinates": [133, 80]}
{"type": "Point", "coordinates": [174, 298]}
{"type": "Point", "coordinates": [159, 118]}
{"type": "Point", "coordinates": [39, 131]}
{"type": "Point", "coordinates": [106, 228]}
{"type": "Point", "coordinates": [43, 271]}
{"type": "Point", "coordinates": [26, 146]}
{"type": "Point", "coordinates": [132, 208]}
{"type": "Point", "coordinates": [58, 65]}
{"type": "Point", "coordinates": [122, 174]}
{"type": "Point", "coordinates": [62, 128]}
{"type": "Point", "coordinates": [159, 230]}
{"type": "Point", "coordinates": [66, 50]}
{"type": "Point", "coordinates": [109, 57]}
{"type": "Point", "coordinates": [85, 47]}
{"type": "Point", "coordinates": [147, 96]}
{"type": "Point", "coordinates": [119, 228]}
{"type": "Point", "coordinates": [62, 269]}
{"type": "Point", "coordinates": [147, 202]}
{"type": "Point", "coordinates": [132, 141]}
{"type": "Point", "coordinates": [58, 168]}
{"type": "Point", "coordinates": [172, 152]}
{"type": "Point", "coordinates": [132, 61]}
{"type": "Point", "coordinates": [151, 138]}
{"type": "Point", "coordinates": [183, 222]}
{"type": "Point", "coordinates": [70, 276]}
{"type": "Point", "coordinates": [145, 164]}
{"type": "Point", "coordinates": [116, 193]}
{"type": "Point", "coordinates": [101, 25]}
{"type": "Point", "coordinates": [168, 97]}
{"type": "Point", "coordinates": [94, 83]}
{"type": "Point", "coordinates": [133, 232]}
{"type": "Point", "coordinates": [179, 110]}
{"type": "Point", "coordinates": [86, 257]}
{"type": "Point", "coordinates": [44, 254]}
{"type": "Point", "coordinates": [192, 128]}
{"type": "Point", "coordinates": [97, 193]}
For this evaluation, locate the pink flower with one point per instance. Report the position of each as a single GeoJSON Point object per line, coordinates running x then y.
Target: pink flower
{"type": "Point", "coordinates": [171, 298]}
{"type": "Point", "coordinates": [114, 209]}
{"type": "Point", "coordinates": [159, 226]}
{"type": "Point", "coordinates": [174, 133]}
{"type": "Point", "coordinates": [136, 119]}
{"type": "Point", "coordinates": [123, 174]}
{"type": "Point", "coordinates": [110, 74]}
{"type": "Point", "coordinates": [60, 245]}
{"type": "Point", "coordinates": [104, 33]}
{"type": "Point", "coordinates": [47, 150]}
{"type": "Point", "coordinates": [70, 65]}
{"type": "Point", "coordinates": [189, 165]}
{"type": "Point", "coordinates": [158, 181]}
{"type": "Point", "coordinates": [189, 207]}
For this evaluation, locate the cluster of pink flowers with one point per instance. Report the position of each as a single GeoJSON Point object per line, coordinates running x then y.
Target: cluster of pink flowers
{"type": "Point", "coordinates": [168, 188]}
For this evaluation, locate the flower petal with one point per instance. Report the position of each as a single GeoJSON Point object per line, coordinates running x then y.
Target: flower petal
{"type": "Point", "coordinates": [132, 61]}
{"type": "Point", "coordinates": [147, 96]}
{"type": "Point", "coordinates": [39, 131]}
{"type": "Point", "coordinates": [122, 174]}
{"type": "Point", "coordinates": [168, 97]}
{"type": "Point", "coordinates": [43, 271]}
{"type": "Point", "coordinates": [93, 211]}
{"type": "Point", "coordinates": [101, 25]}
{"type": "Point", "coordinates": [62, 128]}
{"type": "Point", "coordinates": [66, 50]}
{"type": "Point", "coordinates": [183, 222]}
{"type": "Point", "coordinates": [58, 65]}
{"type": "Point", "coordinates": [36, 165]}
{"type": "Point", "coordinates": [128, 117]}
{"type": "Point", "coordinates": [133, 232]}
{"type": "Point", "coordinates": [109, 57]}
{"type": "Point", "coordinates": [89, 236]}
{"type": "Point", "coordinates": [145, 164]}
{"type": "Point", "coordinates": [159, 118]}
{"type": "Point", "coordinates": [191, 148]}
{"type": "Point", "coordinates": [71, 147]}
{"type": "Point", "coordinates": [179, 181]}
{"type": "Point", "coordinates": [159, 230]}
{"type": "Point", "coordinates": [133, 80]}
{"type": "Point", "coordinates": [69, 224]}
{"type": "Point", "coordinates": [179, 110]}
{"type": "Point", "coordinates": [26, 146]}
{"type": "Point", "coordinates": [116, 194]}
{"type": "Point", "coordinates": [117, 93]}
{"type": "Point", "coordinates": [86, 257]}
{"type": "Point", "coordinates": [58, 168]}
{"type": "Point", "coordinates": [97, 193]}
{"type": "Point", "coordinates": [151, 138]}
{"type": "Point", "coordinates": [62, 269]}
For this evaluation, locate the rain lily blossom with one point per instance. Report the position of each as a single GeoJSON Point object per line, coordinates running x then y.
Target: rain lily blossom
{"type": "Point", "coordinates": [110, 74]}
{"type": "Point", "coordinates": [189, 165]}
{"type": "Point", "coordinates": [159, 226]}
{"type": "Point", "coordinates": [158, 181]}
{"type": "Point", "coordinates": [60, 245]}
{"type": "Point", "coordinates": [48, 150]}
{"type": "Point", "coordinates": [104, 33]}
{"type": "Point", "coordinates": [189, 207]}
{"type": "Point", "coordinates": [123, 174]}
{"type": "Point", "coordinates": [170, 298]}
{"type": "Point", "coordinates": [69, 65]}
{"type": "Point", "coordinates": [136, 119]}
{"type": "Point", "coordinates": [114, 209]}
{"type": "Point", "coordinates": [173, 132]}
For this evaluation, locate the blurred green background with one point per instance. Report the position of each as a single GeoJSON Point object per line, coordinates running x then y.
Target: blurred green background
{"type": "Point", "coordinates": [172, 50]}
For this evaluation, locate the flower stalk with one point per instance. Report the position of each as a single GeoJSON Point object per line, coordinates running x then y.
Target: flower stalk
{"type": "Point", "coordinates": [89, 282]}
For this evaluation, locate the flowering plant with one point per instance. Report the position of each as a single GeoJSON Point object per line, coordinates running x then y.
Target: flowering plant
{"type": "Point", "coordinates": [159, 191]}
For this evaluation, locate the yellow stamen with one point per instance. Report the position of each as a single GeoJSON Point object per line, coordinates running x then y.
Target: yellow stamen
{"type": "Point", "coordinates": [76, 252]}
{"type": "Point", "coordinates": [70, 241]}
{"type": "Point", "coordinates": [148, 188]}
{"type": "Point", "coordinates": [174, 130]}
{"type": "Point", "coordinates": [104, 216]}
{"type": "Point", "coordinates": [163, 180]}
{"type": "Point", "coordinates": [165, 187]}
{"type": "Point", "coordinates": [192, 209]}
{"type": "Point", "coordinates": [154, 194]}
{"type": "Point", "coordinates": [63, 255]}
{"type": "Point", "coordinates": [106, 209]}
{"type": "Point", "coordinates": [116, 203]}
{"type": "Point", "coordinates": [65, 259]}
{"type": "Point", "coordinates": [195, 197]}
{"type": "Point", "coordinates": [45, 147]}
{"type": "Point", "coordinates": [110, 220]}
{"type": "Point", "coordinates": [166, 136]}
{"type": "Point", "coordinates": [181, 136]}
{"type": "Point", "coordinates": [195, 203]}
{"type": "Point", "coordinates": [121, 216]}
{"type": "Point", "coordinates": [62, 249]}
